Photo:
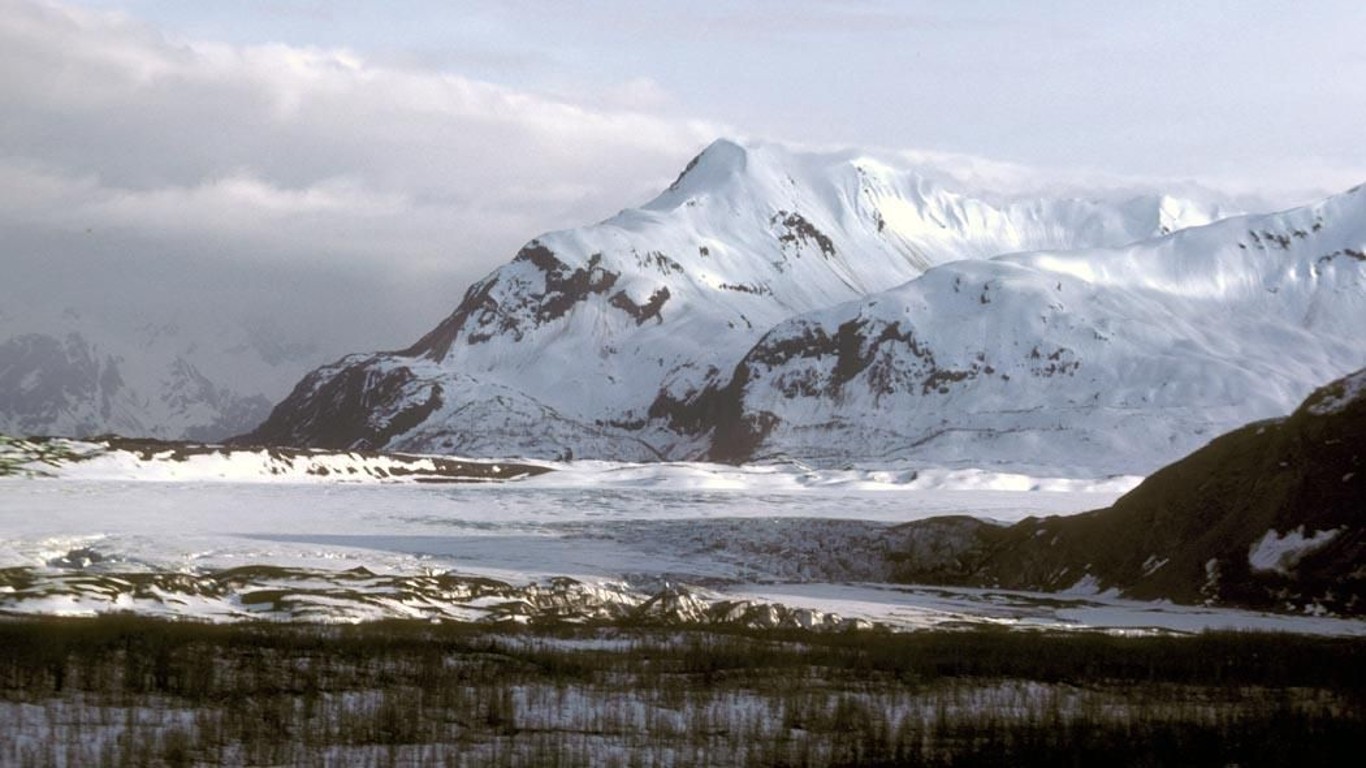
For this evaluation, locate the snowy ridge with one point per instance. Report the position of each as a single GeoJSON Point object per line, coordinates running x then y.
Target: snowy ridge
{"type": "Point", "coordinates": [122, 459]}
{"type": "Point", "coordinates": [1115, 360]}
{"type": "Point", "coordinates": [256, 593]}
{"type": "Point", "coordinates": [789, 477]}
{"type": "Point", "coordinates": [605, 334]}
{"type": "Point", "coordinates": [153, 460]}
{"type": "Point", "coordinates": [288, 594]}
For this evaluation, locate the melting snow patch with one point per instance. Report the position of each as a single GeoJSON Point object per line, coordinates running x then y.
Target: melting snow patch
{"type": "Point", "coordinates": [1211, 586]}
{"type": "Point", "coordinates": [1341, 394]}
{"type": "Point", "coordinates": [1089, 586]}
{"type": "Point", "coordinates": [1153, 564]}
{"type": "Point", "coordinates": [1281, 552]}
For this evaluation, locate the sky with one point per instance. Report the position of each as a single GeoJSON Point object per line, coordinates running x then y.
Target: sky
{"type": "Point", "coordinates": [347, 168]}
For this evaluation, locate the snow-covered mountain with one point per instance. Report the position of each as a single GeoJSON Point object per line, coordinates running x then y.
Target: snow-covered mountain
{"type": "Point", "coordinates": [1117, 360]}
{"type": "Point", "coordinates": [615, 340]}
{"type": "Point", "coordinates": [79, 372]}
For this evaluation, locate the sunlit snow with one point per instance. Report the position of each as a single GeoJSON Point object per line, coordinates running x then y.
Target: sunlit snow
{"type": "Point", "coordinates": [793, 544]}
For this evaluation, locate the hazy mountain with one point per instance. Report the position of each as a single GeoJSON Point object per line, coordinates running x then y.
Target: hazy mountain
{"type": "Point", "coordinates": [138, 372]}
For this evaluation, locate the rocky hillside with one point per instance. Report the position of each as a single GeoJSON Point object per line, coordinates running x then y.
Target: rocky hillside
{"type": "Point", "coordinates": [1272, 516]}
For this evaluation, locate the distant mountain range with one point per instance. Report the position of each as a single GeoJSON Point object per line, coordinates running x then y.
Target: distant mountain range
{"type": "Point", "coordinates": [74, 372]}
{"type": "Point", "coordinates": [837, 308]}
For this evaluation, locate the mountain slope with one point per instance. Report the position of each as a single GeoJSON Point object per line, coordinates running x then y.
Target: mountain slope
{"type": "Point", "coordinates": [1112, 360]}
{"type": "Point", "coordinates": [585, 343]}
{"type": "Point", "coordinates": [1267, 516]}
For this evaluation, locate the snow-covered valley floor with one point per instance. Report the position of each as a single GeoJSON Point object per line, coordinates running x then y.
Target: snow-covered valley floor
{"type": "Point", "coordinates": [769, 545]}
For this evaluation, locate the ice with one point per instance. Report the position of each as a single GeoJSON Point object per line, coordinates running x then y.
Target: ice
{"type": "Point", "coordinates": [772, 545]}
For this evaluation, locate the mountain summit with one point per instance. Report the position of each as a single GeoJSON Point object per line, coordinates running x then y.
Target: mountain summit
{"type": "Point", "coordinates": [772, 301]}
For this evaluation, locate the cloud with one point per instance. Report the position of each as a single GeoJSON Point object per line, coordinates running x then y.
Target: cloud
{"type": "Point", "coordinates": [376, 187]}
{"type": "Point", "coordinates": [260, 157]}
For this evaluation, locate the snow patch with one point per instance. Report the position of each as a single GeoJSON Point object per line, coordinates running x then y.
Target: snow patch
{"type": "Point", "coordinates": [1089, 586]}
{"type": "Point", "coordinates": [1340, 394]}
{"type": "Point", "coordinates": [1154, 564]}
{"type": "Point", "coordinates": [1282, 552]}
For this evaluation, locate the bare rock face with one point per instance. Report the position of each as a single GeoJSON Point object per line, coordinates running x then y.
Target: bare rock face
{"type": "Point", "coordinates": [353, 404]}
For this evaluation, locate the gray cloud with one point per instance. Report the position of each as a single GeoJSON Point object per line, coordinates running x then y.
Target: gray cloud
{"type": "Point", "coordinates": [356, 194]}
{"type": "Point", "coordinates": [152, 163]}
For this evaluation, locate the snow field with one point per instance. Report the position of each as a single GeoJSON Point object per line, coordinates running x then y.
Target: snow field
{"type": "Point", "coordinates": [772, 545]}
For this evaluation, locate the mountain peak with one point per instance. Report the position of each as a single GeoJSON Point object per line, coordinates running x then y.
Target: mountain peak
{"type": "Point", "coordinates": [721, 160]}
{"type": "Point", "coordinates": [783, 295]}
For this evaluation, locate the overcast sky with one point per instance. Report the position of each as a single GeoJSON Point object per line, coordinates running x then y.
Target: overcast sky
{"type": "Point", "coordinates": [349, 167]}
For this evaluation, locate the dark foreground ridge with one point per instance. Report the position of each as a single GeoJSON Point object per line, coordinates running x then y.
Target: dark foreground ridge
{"type": "Point", "coordinates": [1269, 516]}
{"type": "Point", "coordinates": [131, 691]}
